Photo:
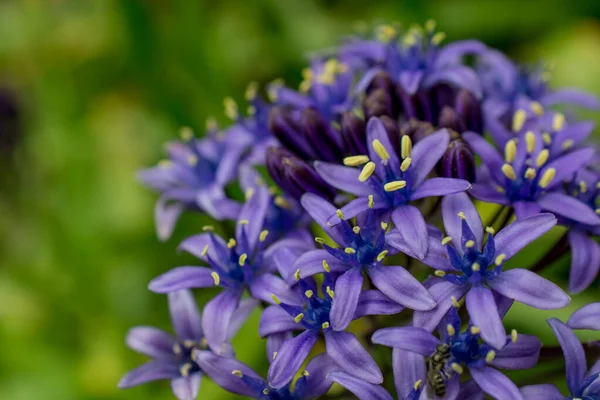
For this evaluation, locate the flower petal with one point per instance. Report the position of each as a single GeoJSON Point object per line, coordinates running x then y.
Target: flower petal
{"type": "Point", "coordinates": [452, 53]}
{"type": "Point", "coordinates": [488, 193]}
{"type": "Point", "coordinates": [148, 372]}
{"type": "Point", "coordinates": [451, 207]}
{"type": "Point", "coordinates": [181, 278]}
{"type": "Point", "coordinates": [185, 315]}
{"type": "Point", "coordinates": [412, 228]}
{"type": "Point", "coordinates": [524, 209]}
{"type": "Point", "coordinates": [408, 368]}
{"type": "Point", "coordinates": [587, 317]}
{"type": "Point", "coordinates": [408, 338]}
{"type": "Point", "coordinates": [290, 357]}
{"type": "Point", "coordinates": [489, 155]}
{"type": "Point", "coordinates": [376, 131]}
{"type": "Point", "coordinates": [216, 318]}
{"type": "Point", "coordinates": [373, 302]}
{"type": "Point", "coordinates": [572, 96]}
{"type": "Point", "coordinates": [484, 314]}
{"type": "Point", "coordinates": [275, 341]}
{"type": "Point", "coordinates": [399, 285]}
{"type": "Point", "coordinates": [342, 178]}
{"type": "Point", "coordinates": [321, 210]}
{"type": "Point", "coordinates": [150, 341]}
{"type": "Point", "coordinates": [219, 369]}
{"type": "Point", "coordinates": [311, 263]}
{"type": "Point", "coordinates": [529, 288]}
{"type": "Point", "coordinates": [496, 384]}
{"type": "Point", "coordinates": [437, 256]}
{"type": "Point", "coordinates": [351, 356]}
{"type": "Point", "coordinates": [239, 317]}
{"type": "Point", "coordinates": [264, 286]}
{"type": "Point", "coordinates": [347, 291]}
{"type": "Point", "coordinates": [426, 153]}
{"type": "Point", "coordinates": [458, 75]}
{"type": "Point", "coordinates": [410, 81]}
{"type": "Point", "coordinates": [195, 245]}
{"type": "Point", "coordinates": [513, 238]}
{"type": "Point", "coordinates": [252, 216]}
{"type": "Point", "coordinates": [317, 383]}
{"type": "Point", "coordinates": [573, 352]}
{"type": "Point", "coordinates": [585, 261]}
{"type": "Point", "coordinates": [470, 390]}
{"type": "Point", "coordinates": [541, 392]}
{"type": "Point", "coordinates": [521, 354]}
{"type": "Point", "coordinates": [440, 187]}
{"type": "Point", "coordinates": [166, 214]}
{"type": "Point", "coordinates": [569, 207]}
{"type": "Point", "coordinates": [568, 164]}
{"type": "Point", "coordinates": [361, 389]}
{"type": "Point", "coordinates": [442, 293]}
{"type": "Point", "coordinates": [186, 387]}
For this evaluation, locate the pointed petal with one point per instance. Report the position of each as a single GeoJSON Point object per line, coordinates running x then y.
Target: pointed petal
{"type": "Point", "coordinates": [274, 320]}
{"type": "Point", "coordinates": [585, 261]}
{"type": "Point", "coordinates": [529, 288]}
{"type": "Point", "coordinates": [442, 293]}
{"type": "Point", "coordinates": [460, 203]}
{"type": "Point", "coordinates": [186, 388]}
{"type": "Point", "coordinates": [343, 178]}
{"type": "Point", "coordinates": [195, 245]}
{"type": "Point", "coordinates": [408, 338]}
{"type": "Point", "coordinates": [568, 164]}
{"type": "Point", "coordinates": [541, 392]}
{"type": "Point", "coordinates": [166, 214]}
{"type": "Point", "coordinates": [459, 75]}
{"type": "Point", "coordinates": [452, 53]}
{"type": "Point", "coordinates": [215, 203]}
{"type": "Point", "coordinates": [321, 211]}
{"type": "Point", "coordinates": [361, 389]}
{"type": "Point", "coordinates": [376, 131]}
{"type": "Point", "coordinates": [275, 341]}
{"type": "Point", "coordinates": [572, 96]}
{"type": "Point", "coordinates": [254, 212]}
{"type": "Point", "coordinates": [351, 356]}
{"type": "Point", "coordinates": [182, 278]}
{"type": "Point", "coordinates": [440, 187]}
{"type": "Point", "coordinates": [437, 256]}
{"type": "Point", "coordinates": [410, 81]}
{"type": "Point", "coordinates": [484, 314]}
{"type": "Point", "coordinates": [219, 369]}
{"type": "Point", "coordinates": [521, 354]}
{"type": "Point", "coordinates": [486, 192]}
{"type": "Point", "coordinates": [216, 318]}
{"type": "Point", "coordinates": [489, 155]}
{"type": "Point", "coordinates": [576, 133]}
{"type": "Point", "coordinates": [151, 371]}
{"type": "Point", "coordinates": [264, 286]}
{"type": "Point", "coordinates": [524, 209]}
{"type": "Point", "coordinates": [312, 263]}
{"type": "Point", "coordinates": [150, 341]}
{"type": "Point", "coordinates": [470, 390]}
{"type": "Point", "coordinates": [426, 153]}
{"type": "Point", "coordinates": [239, 317]}
{"type": "Point", "coordinates": [587, 317]}
{"type": "Point", "coordinates": [399, 285]}
{"type": "Point", "coordinates": [412, 228]}
{"type": "Point", "coordinates": [373, 302]}
{"type": "Point", "coordinates": [519, 234]}
{"type": "Point", "coordinates": [569, 207]}
{"type": "Point", "coordinates": [185, 315]}
{"type": "Point", "coordinates": [408, 368]}
{"type": "Point", "coordinates": [317, 383]}
{"type": "Point", "coordinates": [573, 352]}
{"type": "Point", "coordinates": [347, 291]}
{"type": "Point", "coordinates": [290, 357]}
{"type": "Point", "coordinates": [356, 206]}
{"type": "Point", "coordinates": [496, 384]}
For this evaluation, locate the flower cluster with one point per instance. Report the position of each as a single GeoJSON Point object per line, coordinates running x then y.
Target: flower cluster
{"type": "Point", "coordinates": [358, 228]}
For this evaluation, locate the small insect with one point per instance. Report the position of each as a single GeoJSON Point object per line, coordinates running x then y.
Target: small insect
{"type": "Point", "coordinates": [436, 372]}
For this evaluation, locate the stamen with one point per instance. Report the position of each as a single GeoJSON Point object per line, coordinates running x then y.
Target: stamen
{"type": "Point", "coordinates": [305, 373]}
{"type": "Point", "coordinates": [475, 330]}
{"type": "Point", "coordinates": [367, 171]}
{"type": "Point", "coordinates": [469, 244]}
{"type": "Point", "coordinates": [455, 302]}
{"type": "Point", "coordinates": [406, 146]}
{"type": "Point", "coordinates": [462, 215]}
{"type": "Point", "coordinates": [417, 384]}
{"type": "Point", "coordinates": [281, 202]}
{"type": "Point", "coordinates": [382, 255]}
{"type": "Point", "coordinates": [244, 222]}
{"type": "Point", "coordinates": [450, 329]}
{"type": "Point", "coordinates": [394, 185]}
{"type": "Point", "coordinates": [216, 278]}
{"type": "Point", "coordinates": [211, 124]}
{"type": "Point", "coordinates": [204, 250]}
{"type": "Point", "coordinates": [597, 211]}
{"type": "Point", "coordinates": [530, 141]}
{"type": "Point", "coordinates": [192, 160]}
{"type": "Point", "coordinates": [208, 228]}
{"type": "Point", "coordinates": [475, 267]}
{"type": "Point", "coordinates": [251, 91]}
{"type": "Point", "coordinates": [309, 293]}
{"type": "Point", "coordinates": [430, 25]}
{"type": "Point", "coordinates": [251, 110]}
{"type": "Point", "coordinates": [558, 122]}
{"type": "Point", "coordinates": [263, 235]}
{"type": "Point", "coordinates": [500, 189]}
{"type": "Point", "coordinates": [542, 158]}
{"type": "Point", "coordinates": [440, 273]}
{"type": "Point", "coordinates": [186, 133]}
{"type": "Point", "coordinates": [319, 240]}
{"type": "Point", "coordinates": [537, 108]}
{"type": "Point", "coordinates": [384, 226]}
{"type": "Point", "coordinates": [438, 38]}
{"type": "Point", "coordinates": [325, 325]}
{"type": "Point", "coordinates": [242, 260]}
{"type": "Point", "coordinates": [231, 243]}
{"type": "Point", "coordinates": [510, 151]}
{"type": "Point", "coordinates": [177, 348]}
{"type": "Point", "coordinates": [547, 177]}
{"type": "Point", "coordinates": [339, 213]}
{"type": "Point", "coordinates": [567, 144]}
{"type": "Point", "coordinates": [446, 240]}
{"type": "Point", "coordinates": [489, 357]}
{"type": "Point", "coordinates": [249, 193]}
{"type": "Point", "coordinates": [165, 163]}
{"type": "Point", "coordinates": [490, 230]}
{"type": "Point", "coordinates": [513, 335]}
{"type": "Point", "coordinates": [583, 186]}
{"type": "Point", "coordinates": [326, 266]}
{"type": "Point", "coordinates": [405, 164]}
{"type": "Point", "coordinates": [509, 172]}
{"type": "Point", "coordinates": [349, 250]}
{"type": "Point", "coordinates": [380, 150]}
{"type": "Point", "coordinates": [330, 292]}
{"type": "Point", "coordinates": [275, 299]}
{"type": "Point", "coordinates": [298, 317]}
{"type": "Point", "coordinates": [500, 259]}
{"type": "Point", "coordinates": [457, 368]}
{"type": "Point", "coordinates": [530, 173]}
{"type": "Point", "coordinates": [371, 201]}
{"type": "Point", "coordinates": [297, 275]}
{"type": "Point", "coordinates": [547, 138]}
{"type": "Point", "coordinates": [231, 108]}
{"type": "Point", "coordinates": [265, 391]}
{"type": "Point", "coordinates": [355, 161]}
{"type": "Point", "coordinates": [237, 373]}
{"type": "Point", "coordinates": [518, 120]}
{"type": "Point", "coordinates": [356, 229]}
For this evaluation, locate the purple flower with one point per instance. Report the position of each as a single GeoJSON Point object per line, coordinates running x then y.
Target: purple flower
{"type": "Point", "coordinates": [525, 179]}
{"type": "Point", "coordinates": [464, 349]}
{"type": "Point", "coordinates": [416, 60]}
{"type": "Point", "coordinates": [468, 267]}
{"type": "Point", "coordinates": [305, 311]}
{"type": "Point", "coordinates": [362, 247]}
{"type": "Point", "coordinates": [582, 385]}
{"type": "Point", "coordinates": [236, 377]}
{"type": "Point", "coordinates": [194, 177]}
{"type": "Point", "coordinates": [361, 389]}
{"type": "Point", "coordinates": [173, 356]}
{"type": "Point", "coordinates": [236, 265]}
{"type": "Point", "coordinates": [389, 183]}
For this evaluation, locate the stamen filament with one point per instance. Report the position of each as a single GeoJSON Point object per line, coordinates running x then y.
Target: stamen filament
{"type": "Point", "coordinates": [216, 278]}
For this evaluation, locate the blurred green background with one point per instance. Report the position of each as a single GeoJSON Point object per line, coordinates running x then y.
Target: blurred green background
{"type": "Point", "coordinates": [91, 91]}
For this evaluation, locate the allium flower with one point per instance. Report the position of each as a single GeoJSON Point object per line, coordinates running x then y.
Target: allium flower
{"type": "Point", "coordinates": [361, 389]}
{"type": "Point", "coordinates": [239, 264]}
{"type": "Point", "coordinates": [363, 247]}
{"type": "Point", "coordinates": [389, 183]}
{"type": "Point", "coordinates": [466, 267]}
{"type": "Point", "coordinates": [582, 385]}
{"type": "Point", "coordinates": [173, 356]}
{"type": "Point", "coordinates": [526, 180]}
{"type": "Point", "coordinates": [194, 177]}
{"type": "Point", "coordinates": [236, 377]}
{"type": "Point", "coordinates": [466, 349]}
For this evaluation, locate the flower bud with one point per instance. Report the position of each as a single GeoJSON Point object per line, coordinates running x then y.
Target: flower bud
{"type": "Point", "coordinates": [450, 119]}
{"type": "Point", "coordinates": [377, 103]}
{"type": "Point", "coordinates": [324, 139]}
{"type": "Point", "coordinates": [416, 130]}
{"type": "Point", "coordinates": [469, 109]}
{"type": "Point", "coordinates": [289, 132]}
{"type": "Point", "coordinates": [458, 160]}
{"type": "Point", "coordinates": [391, 127]}
{"type": "Point", "coordinates": [354, 135]}
{"type": "Point", "coordinates": [381, 80]}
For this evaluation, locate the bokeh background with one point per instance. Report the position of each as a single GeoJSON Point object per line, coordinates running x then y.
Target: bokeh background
{"type": "Point", "coordinates": [89, 92]}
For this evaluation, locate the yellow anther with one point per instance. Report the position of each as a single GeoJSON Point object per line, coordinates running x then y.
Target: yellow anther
{"type": "Point", "coordinates": [243, 222]}
{"type": "Point", "coordinates": [509, 171]}
{"type": "Point", "coordinates": [204, 251]}
{"type": "Point", "coordinates": [410, 39]}
{"type": "Point", "coordinates": [513, 335]}
{"type": "Point", "coordinates": [263, 235]}
{"type": "Point", "coordinates": [305, 86]}
{"type": "Point", "coordinates": [265, 391]}
{"type": "Point", "coordinates": [251, 110]}
{"type": "Point", "coordinates": [597, 211]}
{"type": "Point", "coordinates": [394, 185]}
{"type": "Point", "coordinates": [384, 226]}
{"type": "Point", "coordinates": [208, 228]}
{"type": "Point", "coordinates": [339, 213]}
{"type": "Point", "coordinates": [326, 266]}
{"type": "Point", "coordinates": [325, 325]}
{"type": "Point", "coordinates": [518, 120]}
{"type": "Point", "coordinates": [567, 144]}
{"type": "Point", "coordinates": [530, 173]}
{"type": "Point", "coordinates": [430, 25]}
{"type": "Point", "coordinates": [530, 141]}
{"type": "Point", "coordinates": [446, 240]}
{"type": "Point", "coordinates": [367, 171]}
{"type": "Point", "coordinates": [547, 177]}
{"type": "Point", "coordinates": [382, 255]}
{"type": "Point", "coordinates": [417, 384]}
{"type": "Point", "coordinates": [251, 91]}
{"type": "Point", "coordinates": [309, 293]}
{"type": "Point", "coordinates": [475, 267]}
{"type": "Point", "coordinates": [558, 122]}
{"type": "Point", "coordinates": [406, 146]}
{"type": "Point", "coordinates": [176, 348]}
{"type": "Point", "coordinates": [330, 292]}
{"type": "Point", "coordinates": [192, 160]}
{"type": "Point", "coordinates": [510, 150]}
{"type": "Point", "coordinates": [500, 189]}
{"type": "Point", "coordinates": [272, 91]}
{"type": "Point", "coordinates": [319, 240]}
{"type": "Point", "coordinates": [405, 164]}
{"type": "Point", "coordinates": [457, 368]}
{"type": "Point", "coordinates": [371, 201]}
{"type": "Point", "coordinates": [306, 73]}
{"type": "Point", "coordinates": [438, 38]}
{"type": "Point", "coordinates": [475, 330]}
{"type": "Point", "coordinates": [237, 373]}
{"type": "Point", "coordinates": [490, 230]}
{"type": "Point", "coordinates": [537, 108]}
{"type": "Point", "coordinates": [450, 329]}
{"type": "Point", "coordinates": [542, 158]}
{"type": "Point", "coordinates": [297, 275]}
{"type": "Point", "coordinates": [455, 302]}
{"type": "Point", "coordinates": [242, 260]}
{"type": "Point", "coordinates": [386, 32]}
{"type": "Point", "coordinates": [186, 133]}
{"type": "Point", "coordinates": [211, 124]}
{"type": "Point", "coordinates": [500, 259]}
{"type": "Point", "coordinates": [380, 150]}
{"type": "Point", "coordinates": [440, 273]}
{"type": "Point", "coordinates": [298, 317]}
{"type": "Point", "coordinates": [165, 163]}
{"type": "Point", "coordinates": [249, 193]}
{"type": "Point", "coordinates": [305, 373]}
{"type": "Point", "coordinates": [489, 357]}
{"type": "Point", "coordinates": [216, 278]}
{"type": "Point", "coordinates": [356, 229]}
{"type": "Point", "coordinates": [582, 186]}
{"type": "Point", "coordinates": [231, 108]}
{"type": "Point", "coordinates": [461, 215]}
{"type": "Point", "coordinates": [547, 138]}
{"type": "Point", "coordinates": [275, 299]}
{"type": "Point", "coordinates": [469, 244]}
{"type": "Point", "coordinates": [281, 202]}
{"type": "Point", "coordinates": [185, 369]}
{"type": "Point", "coordinates": [349, 250]}
{"type": "Point", "coordinates": [355, 161]}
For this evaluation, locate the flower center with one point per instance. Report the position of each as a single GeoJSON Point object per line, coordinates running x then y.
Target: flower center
{"type": "Point", "coordinates": [184, 353]}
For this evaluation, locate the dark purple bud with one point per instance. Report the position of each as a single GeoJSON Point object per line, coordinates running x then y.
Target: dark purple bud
{"type": "Point", "coordinates": [377, 103]}
{"type": "Point", "coordinates": [323, 138]}
{"type": "Point", "coordinates": [450, 119]}
{"type": "Point", "coordinates": [295, 176]}
{"type": "Point", "coordinates": [417, 130]}
{"type": "Point", "coordinates": [469, 109]}
{"type": "Point", "coordinates": [354, 134]}
{"type": "Point", "coordinates": [410, 105]}
{"type": "Point", "coordinates": [458, 161]}
{"type": "Point", "coordinates": [391, 127]}
{"type": "Point", "coordinates": [289, 132]}
{"type": "Point", "coordinates": [381, 80]}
